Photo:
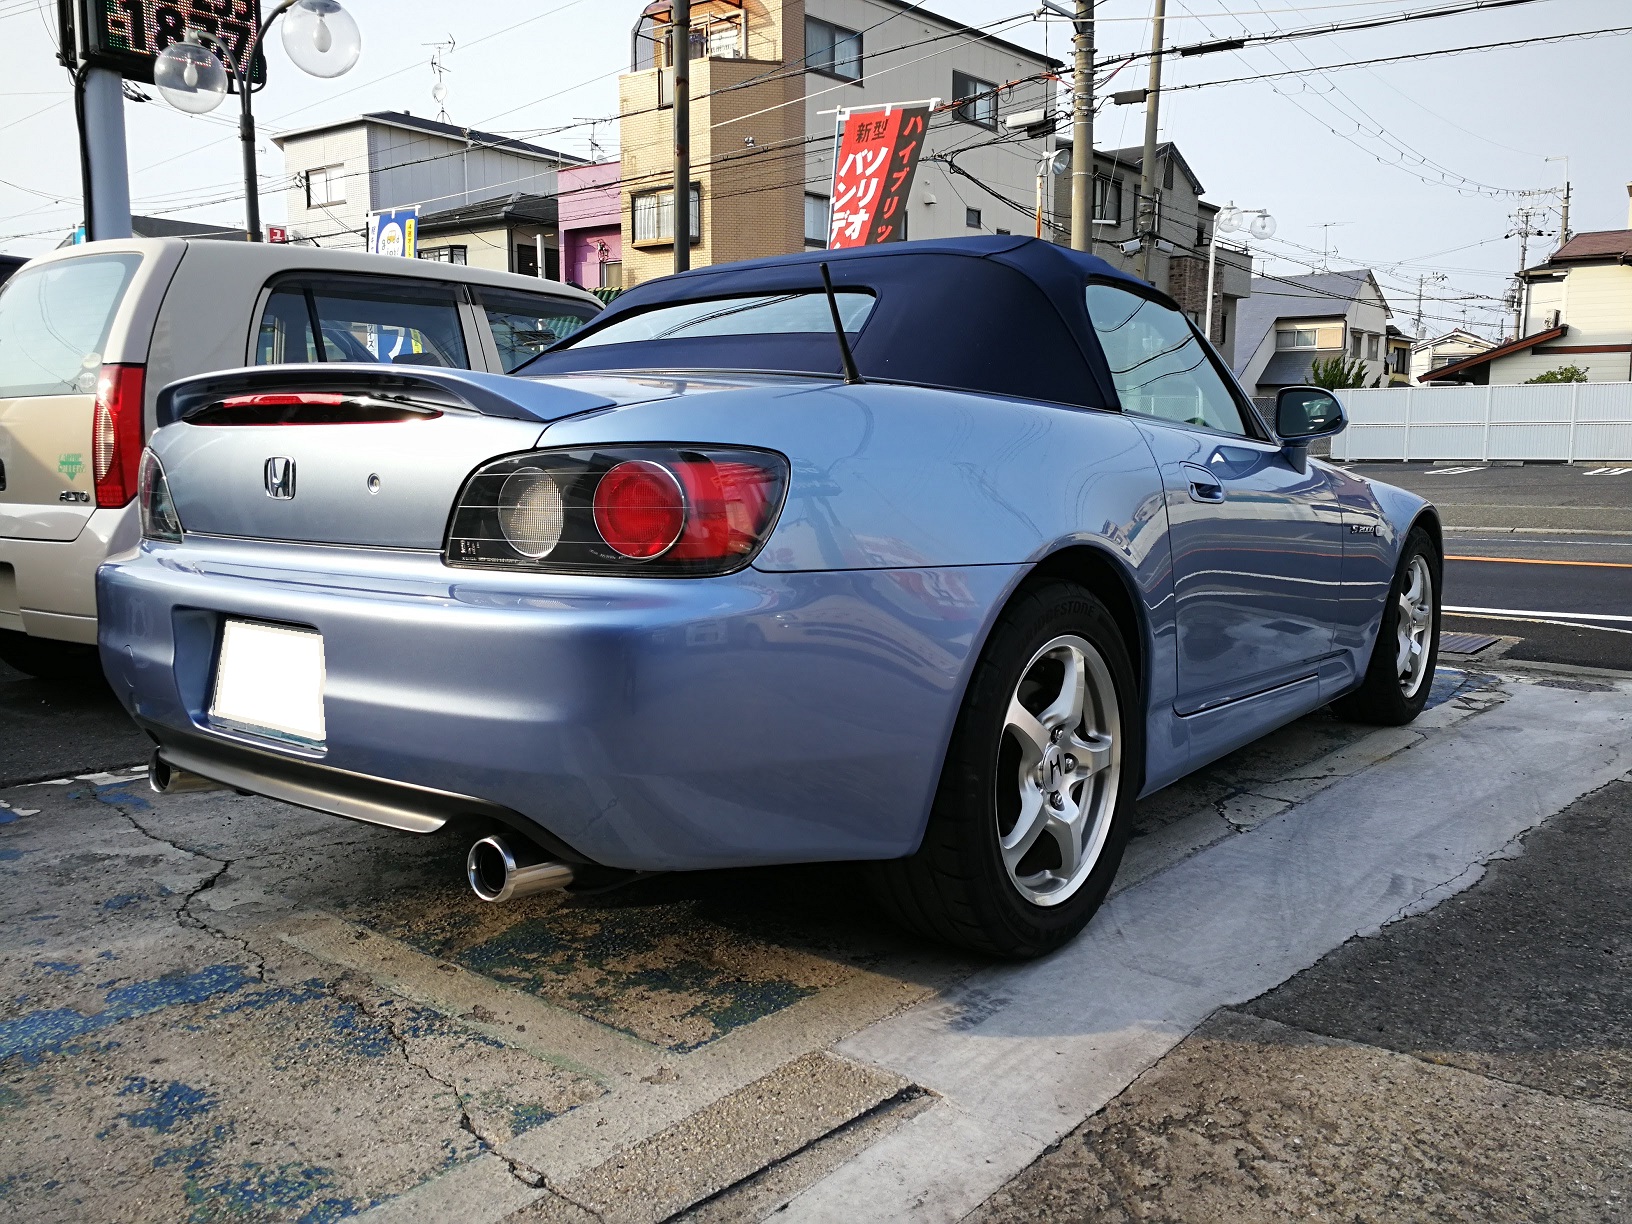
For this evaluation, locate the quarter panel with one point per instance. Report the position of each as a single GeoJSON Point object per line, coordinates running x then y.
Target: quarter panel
{"type": "Point", "coordinates": [1376, 519]}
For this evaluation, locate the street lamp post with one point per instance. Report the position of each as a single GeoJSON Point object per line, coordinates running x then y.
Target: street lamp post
{"type": "Point", "coordinates": [319, 36]}
{"type": "Point", "coordinates": [1230, 219]}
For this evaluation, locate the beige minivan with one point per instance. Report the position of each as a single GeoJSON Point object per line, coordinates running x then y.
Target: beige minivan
{"type": "Point", "coordinates": [90, 334]}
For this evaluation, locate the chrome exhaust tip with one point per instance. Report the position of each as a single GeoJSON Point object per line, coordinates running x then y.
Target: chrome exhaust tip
{"type": "Point", "coordinates": [166, 779]}
{"type": "Point", "coordinates": [496, 873]}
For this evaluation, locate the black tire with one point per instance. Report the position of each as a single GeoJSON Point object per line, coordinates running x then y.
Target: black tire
{"type": "Point", "coordinates": [49, 659]}
{"type": "Point", "coordinates": [956, 888]}
{"type": "Point", "coordinates": [1381, 699]}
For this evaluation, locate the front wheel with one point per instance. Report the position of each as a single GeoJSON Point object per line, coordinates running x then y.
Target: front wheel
{"type": "Point", "coordinates": [1401, 673]}
{"type": "Point", "coordinates": [1032, 813]}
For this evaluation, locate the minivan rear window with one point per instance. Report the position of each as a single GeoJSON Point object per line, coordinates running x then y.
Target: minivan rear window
{"type": "Point", "coordinates": [54, 323]}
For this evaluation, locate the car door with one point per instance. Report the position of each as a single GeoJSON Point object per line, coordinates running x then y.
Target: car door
{"type": "Point", "coordinates": [1256, 543]}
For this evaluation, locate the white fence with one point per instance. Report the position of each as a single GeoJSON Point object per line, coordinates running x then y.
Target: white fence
{"type": "Point", "coordinates": [1567, 422]}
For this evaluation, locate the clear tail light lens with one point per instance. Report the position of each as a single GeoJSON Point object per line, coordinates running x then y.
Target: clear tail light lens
{"type": "Point", "coordinates": [159, 518]}
{"type": "Point", "coordinates": [671, 511]}
{"type": "Point", "coordinates": [116, 439]}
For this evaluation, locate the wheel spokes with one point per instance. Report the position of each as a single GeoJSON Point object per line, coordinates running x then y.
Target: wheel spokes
{"type": "Point", "coordinates": [1028, 732]}
{"type": "Point", "coordinates": [1065, 711]}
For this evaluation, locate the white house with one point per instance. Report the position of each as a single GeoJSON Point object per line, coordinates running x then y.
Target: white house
{"type": "Point", "coordinates": [344, 170]}
{"type": "Point", "coordinates": [1454, 346]}
{"type": "Point", "coordinates": [1288, 323]}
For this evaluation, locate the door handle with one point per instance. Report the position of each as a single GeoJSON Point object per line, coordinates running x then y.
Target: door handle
{"type": "Point", "coordinates": [1203, 485]}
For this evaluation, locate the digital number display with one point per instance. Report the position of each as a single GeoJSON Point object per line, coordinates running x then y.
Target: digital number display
{"type": "Point", "coordinates": [128, 35]}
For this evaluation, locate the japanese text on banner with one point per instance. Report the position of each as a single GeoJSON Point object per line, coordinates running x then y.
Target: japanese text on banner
{"type": "Point", "coordinates": [873, 171]}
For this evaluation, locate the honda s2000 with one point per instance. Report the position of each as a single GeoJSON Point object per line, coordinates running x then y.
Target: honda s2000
{"type": "Point", "coordinates": [936, 556]}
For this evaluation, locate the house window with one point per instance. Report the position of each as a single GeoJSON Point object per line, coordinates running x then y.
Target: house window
{"type": "Point", "coordinates": [1297, 337]}
{"type": "Point", "coordinates": [971, 218]}
{"type": "Point", "coordinates": [981, 109]}
{"type": "Point", "coordinates": [1371, 348]}
{"type": "Point", "coordinates": [1107, 200]}
{"type": "Point", "coordinates": [612, 274]}
{"type": "Point", "coordinates": [816, 219]}
{"type": "Point", "coordinates": [1356, 339]}
{"type": "Point", "coordinates": [832, 50]}
{"type": "Point", "coordinates": [1003, 232]}
{"type": "Point", "coordinates": [325, 185]}
{"type": "Point", "coordinates": [654, 215]}
{"type": "Point", "coordinates": [445, 254]}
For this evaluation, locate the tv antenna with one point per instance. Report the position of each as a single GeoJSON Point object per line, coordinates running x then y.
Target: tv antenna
{"type": "Point", "coordinates": [597, 151]}
{"type": "Point", "coordinates": [439, 89]}
{"type": "Point", "coordinates": [1326, 251]}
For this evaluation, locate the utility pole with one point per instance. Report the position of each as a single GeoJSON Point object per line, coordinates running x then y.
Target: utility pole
{"type": "Point", "coordinates": [1149, 215]}
{"type": "Point", "coordinates": [1523, 233]}
{"type": "Point", "coordinates": [680, 38]}
{"type": "Point", "coordinates": [1422, 282]}
{"type": "Point", "coordinates": [1082, 129]}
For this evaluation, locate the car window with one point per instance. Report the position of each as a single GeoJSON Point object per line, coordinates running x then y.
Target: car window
{"type": "Point", "coordinates": [525, 324]}
{"type": "Point", "coordinates": [54, 323]}
{"type": "Point", "coordinates": [737, 316]}
{"type": "Point", "coordinates": [1158, 364]}
{"type": "Point", "coordinates": [393, 322]}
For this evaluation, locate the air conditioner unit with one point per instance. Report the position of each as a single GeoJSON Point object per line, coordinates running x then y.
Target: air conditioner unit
{"type": "Point", "coordinates": [1551, 319]}
{"type": "Point", "coordinates": [1032, 122]}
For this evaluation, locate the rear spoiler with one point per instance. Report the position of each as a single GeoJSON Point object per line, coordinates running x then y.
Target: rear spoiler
{"type": "Point", "coordinates": [494, 395]}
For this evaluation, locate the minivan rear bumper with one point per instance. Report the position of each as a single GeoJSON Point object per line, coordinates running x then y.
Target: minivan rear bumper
{"type": "Point", "coordinates": [48, 587]}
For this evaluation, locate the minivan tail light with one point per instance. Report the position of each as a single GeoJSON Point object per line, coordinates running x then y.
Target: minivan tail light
{"type": "Point", "coordinates": [116, 437]}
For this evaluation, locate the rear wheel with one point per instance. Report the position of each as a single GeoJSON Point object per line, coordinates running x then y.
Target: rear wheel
{"type": "Point", "coordinates": [1032, 813]}
{"type": "Point", "coordinates": [1401, 673]}
{"type": "Point", "coordinates": [49, 659]}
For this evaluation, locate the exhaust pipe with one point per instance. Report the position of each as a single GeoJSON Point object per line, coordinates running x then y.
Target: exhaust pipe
{"type": "Point", "coordinates": [497, 873]}
{"type": "Point", "coordinates": [166, 779]}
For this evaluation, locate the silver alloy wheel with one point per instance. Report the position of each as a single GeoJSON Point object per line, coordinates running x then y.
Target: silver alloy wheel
{"type": "Point", "coordinates": [1059, 767]}
{"type": "Point", "coordinates": [1415, 626]}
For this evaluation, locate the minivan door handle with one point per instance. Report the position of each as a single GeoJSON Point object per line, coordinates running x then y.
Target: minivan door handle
{"type": "Point", "coordinates": [1204, 486]}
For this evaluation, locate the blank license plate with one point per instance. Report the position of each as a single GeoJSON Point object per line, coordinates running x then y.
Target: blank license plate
{"type": "Point", "coordinates": [270, 679]}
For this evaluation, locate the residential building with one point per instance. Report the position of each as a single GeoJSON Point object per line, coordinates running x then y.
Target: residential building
{"type": "Point", "coordinates": [591, 226]}
{"type": "Point", "coordinates": [1184, 228]}
{"type": "Point", "coordinates": [1290, 322]}
{"type": "Point", "coordinates": [342, 171]}
{"type": "Point", "coordinates": [509, 233]}
{"type": "Point", "coordinates": [1397, 348]}
{"type": "Point", "coordinates": [1577, 312]}
{"type": "Point", "coordinates": [1454, 346]}
{"type": "Point", "coordinates": [763, 129]}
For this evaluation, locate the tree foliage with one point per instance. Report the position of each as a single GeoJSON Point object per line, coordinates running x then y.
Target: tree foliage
{"type": "Point", "coordinates": [1563, 374]}
{"type": "Point", "coordinates": [1334, 373]}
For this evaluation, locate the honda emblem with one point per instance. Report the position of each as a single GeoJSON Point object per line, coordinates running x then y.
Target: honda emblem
{"type": "Point", "coordinates": [280, 478]}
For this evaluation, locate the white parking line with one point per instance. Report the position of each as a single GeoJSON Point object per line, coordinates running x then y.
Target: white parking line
{"type": "Point", "coordinates": [1518, 612]}
{"type": "Point", "coordinates": [1018, 1056]}
{"type": "Point", "coordinates": [1452, 471]}
{"type": "Point", "coordinates": [1608, 471]}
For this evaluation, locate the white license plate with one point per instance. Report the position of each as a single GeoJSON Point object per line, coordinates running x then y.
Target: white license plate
{"type": "Point", "coordinates": [270, 679]}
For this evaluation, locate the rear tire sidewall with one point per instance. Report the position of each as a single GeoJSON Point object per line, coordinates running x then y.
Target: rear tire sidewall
{"type": "Point", "coordinates": [1379, 699]}
{"type": "Point", "coordinates": [967, 794]}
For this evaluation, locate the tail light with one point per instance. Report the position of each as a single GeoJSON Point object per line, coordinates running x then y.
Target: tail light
{"type": "Point", "coordinates": [159, 518]}
{"type": "Point", "coordinates": [674, 511]}
{"type": "Point", "coordinates": [116, 437]}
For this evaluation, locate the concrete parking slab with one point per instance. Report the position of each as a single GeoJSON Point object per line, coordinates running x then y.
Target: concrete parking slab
{"type": "Point", "coordinates": [189, 980]}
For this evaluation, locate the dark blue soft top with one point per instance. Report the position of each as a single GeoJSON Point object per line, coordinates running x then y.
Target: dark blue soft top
{"type": "Point", "coordinates": [1004, 315]}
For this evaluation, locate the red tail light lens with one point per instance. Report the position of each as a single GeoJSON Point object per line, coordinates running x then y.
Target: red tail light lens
{"type": "Point", "coordinates": [652, 510]}
{"type": "Point", "coordinates": [116, 438]}
{"type": "Point", "coordinates": [639, 509]}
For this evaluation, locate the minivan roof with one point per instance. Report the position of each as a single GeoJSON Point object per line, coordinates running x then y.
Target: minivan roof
{"type": "Point", "coordinates": [263, 259]}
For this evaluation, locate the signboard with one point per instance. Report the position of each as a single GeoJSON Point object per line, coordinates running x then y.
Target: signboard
{"type": "Point", "coordinates": [394, 232]}
{"type": "Point", "coordinates": [277, 233]}
{"type": "Point", "coordinates": [873, 168]}
{"type": "Point", "coordinates": [127, 35]}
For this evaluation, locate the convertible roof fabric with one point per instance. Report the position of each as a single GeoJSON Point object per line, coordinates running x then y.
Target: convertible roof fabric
{"type": "Point", "coordinates": [1001, 315]}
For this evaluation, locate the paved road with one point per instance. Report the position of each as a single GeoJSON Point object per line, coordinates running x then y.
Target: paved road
{"type": "Point", "coordinates": [1554, 496]}
{"type": "Point", "coordinates": [48, 730]}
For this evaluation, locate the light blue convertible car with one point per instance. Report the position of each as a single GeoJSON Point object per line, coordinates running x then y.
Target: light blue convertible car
{"type": "Point", "coordinates": [936, 556]}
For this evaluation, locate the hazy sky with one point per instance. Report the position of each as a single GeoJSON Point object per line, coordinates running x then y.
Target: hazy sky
{"type": "Point", "coordinates": [1352, 148]}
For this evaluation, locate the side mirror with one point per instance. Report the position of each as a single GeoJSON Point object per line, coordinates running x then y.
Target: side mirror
{"type": "Point", "coordinates": [1305, 413]}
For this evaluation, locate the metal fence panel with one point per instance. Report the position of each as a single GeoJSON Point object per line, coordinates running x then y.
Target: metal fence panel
{"type": "Point", "coordinates": [1559, 422]}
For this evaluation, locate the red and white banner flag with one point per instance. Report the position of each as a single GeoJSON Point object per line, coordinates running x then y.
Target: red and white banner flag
{"type": "Point", "coordinates": [873, 167]}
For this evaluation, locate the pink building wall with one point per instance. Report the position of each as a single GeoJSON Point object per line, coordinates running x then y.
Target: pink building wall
{"type": "Point", "coordinates": [590, 223]}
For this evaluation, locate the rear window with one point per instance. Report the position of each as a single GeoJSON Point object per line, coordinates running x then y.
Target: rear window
{"type": "Point", "coordinates": [400, 322]}
{"type": "Point", "coordinates": [762, 315]}
{"type": "Point", "coordinates": [54, 323]}
{"type": "Point", "coordinates": [525, 324]}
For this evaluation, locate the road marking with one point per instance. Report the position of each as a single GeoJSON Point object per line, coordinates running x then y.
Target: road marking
{"type": "Point", "coordinates": [1608, 471]}
{"type": "Point", "coordinates": [1538, 561]}
{"type": "Point", "coordinates": [1452, 471]}
{"type": "Point", "coordinates": [1536, 620]}
{"type": "Point", "coordinates": [1591, 616]}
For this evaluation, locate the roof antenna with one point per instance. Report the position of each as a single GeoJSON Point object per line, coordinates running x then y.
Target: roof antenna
{"type": "Point", "coordinates": [851, 375]}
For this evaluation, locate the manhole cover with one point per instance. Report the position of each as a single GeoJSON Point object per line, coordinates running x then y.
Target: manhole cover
{"type": "Point", "coordinates": [1465, 643]}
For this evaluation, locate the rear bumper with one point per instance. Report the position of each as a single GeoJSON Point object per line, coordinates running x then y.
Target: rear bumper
{"type": "Point", "coordinates": [645, 723]}
{"type": "Point", "coordinates": [48, 587]}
